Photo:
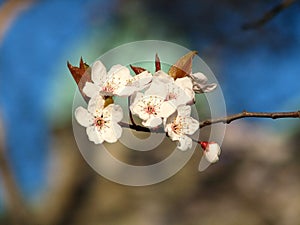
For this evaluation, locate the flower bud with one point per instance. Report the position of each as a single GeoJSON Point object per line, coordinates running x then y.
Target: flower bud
{"type": "Point", "coordinates": [211, 152]}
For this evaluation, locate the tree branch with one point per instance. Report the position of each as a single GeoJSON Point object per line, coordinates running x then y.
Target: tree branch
{"type": "Point", "coordinates": [244, 114]}
{"type": "Point", "coordinates": [268, 15]}
{"type": "Point", "coordinates": [225, 120]}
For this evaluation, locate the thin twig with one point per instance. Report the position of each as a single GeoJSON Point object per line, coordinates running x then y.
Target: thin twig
{"type": "Point", "coordinates": [225, 120]}
{"type": "Point", "coordinates": [268, 15]}
{"type": "Point", "coordinates": [244, 114]}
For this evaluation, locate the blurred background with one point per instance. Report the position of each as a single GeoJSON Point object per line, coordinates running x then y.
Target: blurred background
{"type": "Point", "coordinates": [45, 180]}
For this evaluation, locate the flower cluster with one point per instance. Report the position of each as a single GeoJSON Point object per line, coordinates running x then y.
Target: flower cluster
{"type": "Point", "coordinates": [159, 100]}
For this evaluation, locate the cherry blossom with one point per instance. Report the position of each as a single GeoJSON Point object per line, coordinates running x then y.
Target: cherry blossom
{"type": "Point", "coordinates": [152, 106]}
{"type": "Point", "coordinates": [101, 123]}
{"type": "Point", "coordinates": [117, 81]}
{"type": "Point", "coordinates": [200, 83]}
{"type": "Point", "coordinates": [211, 152]}
{"type": "Point", "coordinates": [178, 127]}
{"type": "Point", "coordinates": [179, 91]}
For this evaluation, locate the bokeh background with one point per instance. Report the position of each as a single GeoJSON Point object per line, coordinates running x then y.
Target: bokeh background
{"type": "Point", "coordinates": [256, 180]}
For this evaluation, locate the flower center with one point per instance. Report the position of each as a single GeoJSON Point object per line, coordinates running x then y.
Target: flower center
{"type": "Point", "coordinates": [150, 109]}
{"type": "Point", "coordinates": [99, 122]}
{"type": "Point", "coordinates": [176, 128]}
{"type": "Point", "coordinates": [108, 88]}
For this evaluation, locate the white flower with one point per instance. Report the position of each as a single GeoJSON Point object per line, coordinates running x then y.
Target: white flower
{"type": "Point", "coordinates": [117, 81]}
{"type": "Point", "coordinates": [182, 125]}
{"type": "Point", "coordinates": [152, 106]}
{"type": "Point", "coordinates": [200, 84]}
{"type": "Point", "coordinates": [179, 91]}
{"type": "Point", "coordinates": [101, 123]}
{"type": "Point", "coordinates": [211, 152]}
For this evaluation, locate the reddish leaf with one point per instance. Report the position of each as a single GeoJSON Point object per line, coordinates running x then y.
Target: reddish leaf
{"type": "Point", "coordinates": [157, 63]}
{"type": "Point", "coordinates": [81, 75]}
{"type": "Point", "coordinates": [137, 70]}
{"type": "Point", "coordinates": [183, 66]}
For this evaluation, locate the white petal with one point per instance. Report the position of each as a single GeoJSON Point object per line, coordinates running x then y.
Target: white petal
{"type": "Point", "coordinates": [96, 105]}
{"type": "Point", "coordinates": [111, 132]}
{"type": "Point", "coordinates": [186, 86]}
{"type": "Point", "coordinates": [125, 91]}
{"type": "Point", "coordinates": [184, 83]}
{"type": "Point", "coordinates": [199, 88]}
{"type": "Point", "coordinates": [184, 110]}
{"type": "Point", "coordinates": [83, 117]}
{"type": "Point", "coordinates": [117, 130]}
{"type": "Point", "coordinates": [141, 80]}
{"type": "Point", "coordinates": [90, 89]}
{"type": "Point", "coordinates": [190, 125]}
{"type": "Point", "coordinates": [137, 107]}
{"type": "Point", "coordinates": [210, 155]}
{"type": "Point", "coordinates": [163, 77]}
{"type": "Point", "coordinates": [135, 98]}
{"type": "Point", "coordinates": [199, 78]}
{"type": "Point", "coordinates": [113, 112]}
{"type": "Point", "coordinates": [119, 72]}
{"type": "Point", "coordinates": [98, 72]}
{"type": "Point", "coordinates": [166, 109]}
{"type": "Point", "coordinates": [157, 88]}
{"type": "Point", "coordinates": [152, 122]}
{"type": "Point", "coordinates": [184, 143]}
{"type": "Point", "coordinates": [212, 152]}
{"type": "Point", "coordinates": [94, 135]}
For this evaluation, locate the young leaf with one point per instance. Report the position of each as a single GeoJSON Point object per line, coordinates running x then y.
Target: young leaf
{"type": "Point", "coordinates": [157, 63]}
{"type": "Point", "coordinates": [183, 66]}
{"type": "Point", "coordinates": [137, 70]}
{"type": "Point", "coordinates": [81, 75]}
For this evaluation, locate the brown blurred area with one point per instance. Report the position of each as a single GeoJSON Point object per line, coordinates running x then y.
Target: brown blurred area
{"type": "Point", "coordinates": [256, 181]}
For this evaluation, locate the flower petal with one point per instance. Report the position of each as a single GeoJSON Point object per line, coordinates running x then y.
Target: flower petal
{"type": "Point", "coordinates": [113, 112]}
{"type": "Point", "coordinates": [135, 98]}
{"type": "Point", "coordinates": [83, 117]}
{"type": "Point", "coordinates": [212, 152]}
{"type": "Point", "coordinates": [96, 105]}
{"type": "Point", "coordinates": [152, 121]}
{"type": "Point", "coordinates": [190, 125]}
{"type": "Point", "coordinates": [184, 83]}
{"type": "Point", "coordinates": [111, 132]}
{"type": "Point", "coordinates": [166, 109]}
{"type": "Point", "coordinates": [157, 88]}
{"type": "Point", "coordinates": [163, 77]}
{"type": "Point", "coordinates": [185, 142]}
{"type": "Point", "coordinates": [94, 135]}
{"type": "Point", "coordinates": [141, 80]}
{"type": "Point", "coordinates": [119, 72]}
{"type": "Point", "coordinates": [125, 91]}
{"type": "Point", "coordinates": [184, 110]}
{"type": "Point", "coordinates": [198, 88]}
{"type": "Point", "coordinates": [199, 78]}
{"type": "Point", "coordinates": [98, 73]}
{"type": "Point", "coordinates": [90, 89]}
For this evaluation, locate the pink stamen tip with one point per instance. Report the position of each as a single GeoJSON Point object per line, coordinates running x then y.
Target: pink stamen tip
{"type": "Point", "coordinates": [203, 144]}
